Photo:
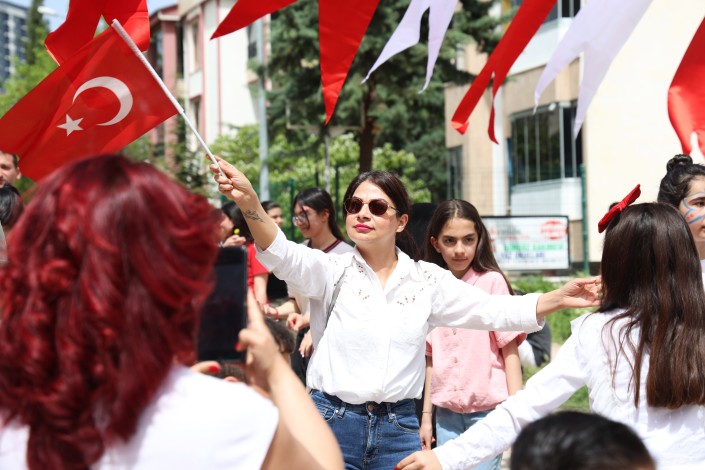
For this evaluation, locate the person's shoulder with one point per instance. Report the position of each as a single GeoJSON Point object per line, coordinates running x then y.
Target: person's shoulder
{"type": "Point", "coordinates": [431, 272]}
{"type": "Point", "coordinates": [342, 248]}
{"type": "Point", "coordinates": [205, 394]}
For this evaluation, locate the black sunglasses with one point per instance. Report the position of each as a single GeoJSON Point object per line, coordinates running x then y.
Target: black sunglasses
{"type": "Point", "coordinates": [377, 207]}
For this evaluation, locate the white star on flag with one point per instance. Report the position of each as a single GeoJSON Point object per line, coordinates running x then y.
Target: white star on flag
{"type": "Point", "coordinates": [71, 125]}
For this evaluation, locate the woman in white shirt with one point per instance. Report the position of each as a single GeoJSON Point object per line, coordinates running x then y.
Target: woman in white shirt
{"type": "Point", "coordinates": [108, 268]}
{"type": "Point", "coordinates": [369, 365]}
{"type": "Point", "coordinates": [641, 355]}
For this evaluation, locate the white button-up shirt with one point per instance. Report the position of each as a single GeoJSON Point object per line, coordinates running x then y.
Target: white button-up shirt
{"type": "Point", "coordinates": [374, 343]}
{"type": "Point", "coordinates": [675, 438]}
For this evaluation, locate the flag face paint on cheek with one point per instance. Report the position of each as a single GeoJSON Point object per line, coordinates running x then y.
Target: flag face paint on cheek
{"type": "Point", "coordinates": [693, 208]}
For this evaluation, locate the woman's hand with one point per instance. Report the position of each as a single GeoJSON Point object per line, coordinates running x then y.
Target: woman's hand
{"type": "Point", "coordinates": [577, 293]}
{"type": "Point", "coordinates": [426, 431]}
{"type": "Point", "coordinates": [306, 346]}
{"type": "Point", "coordinates": [234, 184]}
{"type": "Point", "coordinates": [423, 460]}
{"type": "Point", "coordinates": [264, 361]}
{"type": "Point", "coordinates": [235, 240]}
{"type": "Point", "coordinates": [296, 321]}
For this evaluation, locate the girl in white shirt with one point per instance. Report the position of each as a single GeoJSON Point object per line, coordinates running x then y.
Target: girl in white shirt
{"type": "Point", "coordinates": [369, 364]}
{"type": "Point", "coordinates": [641, 355]}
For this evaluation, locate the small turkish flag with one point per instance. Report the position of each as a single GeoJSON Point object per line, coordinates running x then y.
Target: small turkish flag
{"type": "Point", "coordinates": [83, 18]}
{"type": "Point", "coordinates": [98, 101]}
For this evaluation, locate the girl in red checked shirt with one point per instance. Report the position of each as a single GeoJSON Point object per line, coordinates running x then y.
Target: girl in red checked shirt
{"type": "Point", "coordinates": [468, 372]}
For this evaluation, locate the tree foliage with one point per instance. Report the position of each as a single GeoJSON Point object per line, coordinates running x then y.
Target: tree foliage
{"type": "Point", "coordinates": [388, 108]}
{"type": "Point", "coordinates": [36, 66]}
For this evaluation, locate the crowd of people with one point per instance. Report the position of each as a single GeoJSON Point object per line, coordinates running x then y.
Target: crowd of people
{"type": "Point", "coordinates": [106, 269]}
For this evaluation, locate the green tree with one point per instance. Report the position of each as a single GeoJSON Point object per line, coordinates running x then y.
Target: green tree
{"type": "Point", "coordinates": [36, 66]}
{"type": "Point", "coordinates": [387, 109]}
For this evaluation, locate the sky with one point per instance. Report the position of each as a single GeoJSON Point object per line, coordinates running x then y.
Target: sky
{"type": "Point", "coordinates": [60, 6]}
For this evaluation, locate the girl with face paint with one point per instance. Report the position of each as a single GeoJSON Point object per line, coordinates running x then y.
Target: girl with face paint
{"type": "Point", "coordinates": [683, 187]}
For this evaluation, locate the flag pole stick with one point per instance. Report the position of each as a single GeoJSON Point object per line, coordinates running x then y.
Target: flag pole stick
{"type": "Point", "coordinates": [133, 47]}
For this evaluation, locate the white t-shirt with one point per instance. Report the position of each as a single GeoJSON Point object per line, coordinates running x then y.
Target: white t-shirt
{"type": "Point", "coordinates": [375, 341]}
{"type": "Point", "coordinates": [195, 422]}
{"type": "Point", "coordinates": [675, 438]}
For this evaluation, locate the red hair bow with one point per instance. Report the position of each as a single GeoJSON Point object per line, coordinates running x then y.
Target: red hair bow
{"type": "Point", "coordinates": [619, 207]}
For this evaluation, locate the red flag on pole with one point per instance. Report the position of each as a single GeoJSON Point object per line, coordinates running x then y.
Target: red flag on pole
{"type": "Point", "coordinates": [83, 18]}
{"type": "Point", "coordinates": [341, 26]}
{"type": "Point", "coordinates": [246, 12]}
{"type": "Point", "coordinates": [527, 21]}
{"type": "Point", "coordinates": [98, 101]}
{"type": "Point", "coordinates": [686, 96]}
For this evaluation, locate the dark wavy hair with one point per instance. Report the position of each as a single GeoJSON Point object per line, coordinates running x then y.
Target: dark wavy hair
{"type": "Point", "coordinates": [650, 268]}
{"type": "Point", "coordinates": [234, 213]}
{"type": "Point", "coordinates": [11, 206]}
{"type": "Point", "coordinates": [484, 259]}
{"type": "Point", "coordinates": [109, 266]}
{"type": "Point", "coordinates": [319, 200]}
{"type": "Point", "coordinates": [395, 190]}
{"type": "Point", "coordinates": [579, 441]}
{"type": "Point", "coordinates": [680, 172]}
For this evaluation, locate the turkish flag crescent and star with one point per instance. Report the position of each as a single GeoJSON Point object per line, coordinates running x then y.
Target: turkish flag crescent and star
{"type": "Point", "coordinates": [98, 101]}
{"type": "Point", "coordinates": [82, 21]}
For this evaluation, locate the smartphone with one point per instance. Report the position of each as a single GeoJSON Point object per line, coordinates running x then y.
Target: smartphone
{"type": "Point", "coordinates": [224, 314]}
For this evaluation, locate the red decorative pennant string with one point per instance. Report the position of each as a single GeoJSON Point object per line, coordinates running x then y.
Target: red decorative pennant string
{"type": "Point", "coordinates": [686, 96]}
{"type": "Point", "coordinates": [341, 26]}
{"type": "Point", "coordinates": [527, 21]}
{"type": "Point", "coordinates": [246, 12]}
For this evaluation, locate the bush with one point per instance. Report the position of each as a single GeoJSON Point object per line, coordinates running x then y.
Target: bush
{"type": "Point", "coordinates": [559, 322]}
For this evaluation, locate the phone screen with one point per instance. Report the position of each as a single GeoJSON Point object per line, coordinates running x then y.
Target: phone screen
{"type": "Point", "coordinates": [224, 314]}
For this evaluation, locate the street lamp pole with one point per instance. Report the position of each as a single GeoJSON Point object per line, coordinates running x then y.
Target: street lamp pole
{"type": "Point", "coordinates": [262, 112]}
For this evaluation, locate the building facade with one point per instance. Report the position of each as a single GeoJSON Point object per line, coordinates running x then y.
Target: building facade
{"type": "Point", "coordinates": [626, 138]}
{"type": "Point", "coordinates": [13, 34]}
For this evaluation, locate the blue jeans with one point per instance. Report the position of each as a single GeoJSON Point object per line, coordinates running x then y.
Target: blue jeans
{"type": "Point", "coordinates": [450, 425]}
{"type": "Point", "coordinates": [372, 436]}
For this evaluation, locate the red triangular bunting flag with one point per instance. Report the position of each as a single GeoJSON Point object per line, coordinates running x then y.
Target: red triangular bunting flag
{"type": "Point", "coordinates": [341, 26]}
{"type": "Point", "coordinates": [686, 96]}
{"type": "Point", "coordinates": [527, 21]}
{"type": "Point", "coordinates": [82, 21]}
{"type": "Point", "coordinates": [246, 12]}
{"type": "Point", "coordinates": [98, 101]}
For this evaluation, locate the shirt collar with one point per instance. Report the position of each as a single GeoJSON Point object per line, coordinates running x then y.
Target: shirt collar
{"type": "Point", "coordinates": [405, 265]}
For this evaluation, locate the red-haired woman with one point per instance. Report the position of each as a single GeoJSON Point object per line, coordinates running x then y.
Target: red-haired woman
{"type": "Point", "coordinates": [109, 266]}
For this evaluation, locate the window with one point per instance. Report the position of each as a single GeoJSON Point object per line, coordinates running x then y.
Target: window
{"type": "Point", "coordinates": [542, 147]}
{"type": "Point", "coordinates": [455, 172]}
{"type": "Point", "coordinates": [562, 9]}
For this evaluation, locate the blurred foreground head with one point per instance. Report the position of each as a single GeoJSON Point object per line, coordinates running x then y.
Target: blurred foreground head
{"type": "Point", "coordinates": [579, 441]}
{"type": "Point", "coordinates": [109, 266]}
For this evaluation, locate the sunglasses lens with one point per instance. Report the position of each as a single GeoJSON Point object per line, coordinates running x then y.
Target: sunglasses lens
{"type": "Point", "coordinates": [378, 206]}
{"type": "Point", "coordinates": [353, 205]}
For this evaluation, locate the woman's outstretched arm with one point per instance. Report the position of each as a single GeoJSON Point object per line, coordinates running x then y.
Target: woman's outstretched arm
{"type": "Point", "coordinates": [235, 185]}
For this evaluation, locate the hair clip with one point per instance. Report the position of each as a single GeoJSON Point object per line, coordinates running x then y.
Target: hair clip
{"type": "Point", "coordinates": [618, 208]}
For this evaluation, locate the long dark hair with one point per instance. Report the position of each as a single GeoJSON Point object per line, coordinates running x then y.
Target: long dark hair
{"type": "Point", "coordinates": [319, 200]}
{"type": "Point", "coordinates": [680, 172]}
{"type": "Point", "coordinates": [457, 208]}
{"type": "Point", "coordinates": [650, 268]}
{"type": "Point", "coordinates": [395, 190]}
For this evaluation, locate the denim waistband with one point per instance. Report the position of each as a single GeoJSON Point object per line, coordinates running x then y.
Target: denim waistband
{"type": "Point", "coordinates": [369, 406]}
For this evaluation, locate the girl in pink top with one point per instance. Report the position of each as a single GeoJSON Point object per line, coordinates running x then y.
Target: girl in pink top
{"type": "Point", "coordinates": [468, 372]}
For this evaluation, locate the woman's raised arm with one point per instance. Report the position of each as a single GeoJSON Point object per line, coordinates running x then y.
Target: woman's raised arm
{"type": "Point", "coordinates": [235, 185]}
